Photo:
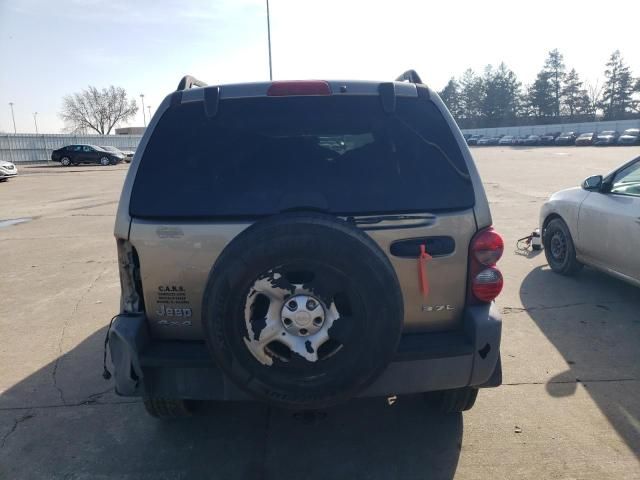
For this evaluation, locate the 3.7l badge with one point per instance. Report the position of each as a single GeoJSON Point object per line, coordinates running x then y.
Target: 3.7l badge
{"type": "Point", "coordinates": [437, 308]}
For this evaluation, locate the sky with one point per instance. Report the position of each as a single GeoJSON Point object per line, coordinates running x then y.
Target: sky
{"type": "Point", "coordinates": [52, 48]}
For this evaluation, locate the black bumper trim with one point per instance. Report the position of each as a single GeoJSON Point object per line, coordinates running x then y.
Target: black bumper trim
{"type": "Point", "coordinates": [424, 361]}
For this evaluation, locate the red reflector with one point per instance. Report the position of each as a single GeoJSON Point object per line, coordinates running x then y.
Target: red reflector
{"type": "Point", "coordinates": [487, 247]}
{"type": "Point", "coordinates": [299, 87]}
{"type": "Point", "coordinates": [487, 284]}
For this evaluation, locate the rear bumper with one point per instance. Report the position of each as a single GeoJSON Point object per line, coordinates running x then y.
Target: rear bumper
{"type": "Point", "coordinates": [424, 362]}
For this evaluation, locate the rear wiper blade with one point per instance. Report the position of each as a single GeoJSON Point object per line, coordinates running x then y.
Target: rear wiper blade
{"type": "Point", "coordinates": [435, 146]}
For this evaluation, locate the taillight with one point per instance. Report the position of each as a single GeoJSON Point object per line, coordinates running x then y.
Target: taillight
{"type": "Point", "coordinates": [487, 247]}
{"type": "Point", "coordinates": [299, 87]}
{"type": "Point", "coordinates": [485, 280]}
{"type": "Point", "coordinates": [487, 284]}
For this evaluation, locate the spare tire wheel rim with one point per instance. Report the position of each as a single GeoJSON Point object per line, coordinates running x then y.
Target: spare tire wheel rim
{"type": "Point", "coordinates": [298, 320]}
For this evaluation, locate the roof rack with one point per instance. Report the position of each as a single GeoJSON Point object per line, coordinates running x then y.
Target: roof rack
{"type": "Point", "coordinates": [410, 76]}
{"type": "Point", "coordinates": [189, 82]}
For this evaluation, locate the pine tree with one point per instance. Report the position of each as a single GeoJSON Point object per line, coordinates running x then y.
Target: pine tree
{"type": "Point", "coordinates": [554, 67]}
{"type": "Point", "coordinates": [501, 95]}
{"type": "Point", "coordinates": [471, 94]}
{"type": "Point", "coordinates": [450, 95]}
{"type": "Point", "coordinates": [574, 97]}
{"type": "Point", "coordinates": [618, 88]}
{"type": "Point", "coordinates": [540, 96]}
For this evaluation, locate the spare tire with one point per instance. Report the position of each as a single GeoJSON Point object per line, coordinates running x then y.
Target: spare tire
{"type": "Point", "coordinates": [302, 310]}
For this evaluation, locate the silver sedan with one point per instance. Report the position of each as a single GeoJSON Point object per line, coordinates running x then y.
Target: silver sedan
{"type": "Point", "coordinates": [597, 224]}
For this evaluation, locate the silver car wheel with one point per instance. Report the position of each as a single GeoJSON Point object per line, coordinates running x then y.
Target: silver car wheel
{"type": "Point", "coordinates": [558, 246]}
{"type": "Point", "coordinates": [104, 161]}
{"type": "Point", "coordinates": [65, 161]}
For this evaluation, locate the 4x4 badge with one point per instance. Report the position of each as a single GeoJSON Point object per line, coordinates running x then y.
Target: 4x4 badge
{"type": "Point", "coordinates": [437, 308]}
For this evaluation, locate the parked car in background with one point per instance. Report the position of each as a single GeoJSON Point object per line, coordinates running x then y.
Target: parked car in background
{"type": "Point", "coordinates": [76, 154]}
{"type": "Point", "coordinates": [520, 139]}
{"type": "Point", "coordinates": [548, 138]}
{"type": "Point", "coordinates": [506, 140]}
{"type": "Point", "coordinates": [127, 154]}
{"type": "Point", "coordinates": [532, 140]}
{"type": "Point", "coordinates": [585, 139]}
{"type": "Point", "coordinates": [489, 141]}
{"type": "Point", "coordinates": [608, 137]}
{"type": "Point", "coordinates": [473, 139]}
{"type": "Point", "coordinates": [566, 138]}
{"type": "Point", "coordinates": [631, 136]}
{"type": "Point", "coordinates": [596, 225]}
{"type": "Point", "coordinates": [7, 170]}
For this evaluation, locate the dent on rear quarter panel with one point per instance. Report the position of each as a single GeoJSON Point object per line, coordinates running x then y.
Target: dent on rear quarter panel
{"type": "Point", "coordinates": [175, 262]}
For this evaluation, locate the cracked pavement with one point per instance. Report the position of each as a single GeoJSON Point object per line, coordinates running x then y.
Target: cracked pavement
{"type": "Point", "coordinates": [569, 406]}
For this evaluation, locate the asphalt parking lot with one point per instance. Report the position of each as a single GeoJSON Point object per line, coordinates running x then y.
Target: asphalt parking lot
{"type": "Point", "coordinates": [569, 406]}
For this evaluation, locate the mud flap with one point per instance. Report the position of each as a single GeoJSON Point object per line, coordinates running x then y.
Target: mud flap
{"type": "Point", "coordinates": [128, 337]}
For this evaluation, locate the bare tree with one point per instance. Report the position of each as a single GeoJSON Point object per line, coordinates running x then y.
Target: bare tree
{"type": "Point", "coordinates": [97, 110]}
{"type": "Point", "coordinates": [594, 96]}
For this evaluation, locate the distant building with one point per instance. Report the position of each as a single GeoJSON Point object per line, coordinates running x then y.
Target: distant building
{"type": "Point", "coordinates": [130, 130]}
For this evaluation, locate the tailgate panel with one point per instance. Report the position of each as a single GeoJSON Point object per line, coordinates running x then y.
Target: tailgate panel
{"type": "Point", "coordinates": [176, 258]}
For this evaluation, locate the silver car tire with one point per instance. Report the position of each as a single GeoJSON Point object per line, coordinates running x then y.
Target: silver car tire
{"type": "Point", "coordinates": [105, 162]}
{"type": "Point", "coordinates": [559, 248]}
{"type": "Point", "coordinates": [65, 161]}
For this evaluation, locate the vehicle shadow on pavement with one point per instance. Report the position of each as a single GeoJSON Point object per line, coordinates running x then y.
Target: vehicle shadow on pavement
{"type": "Point", "coordinates": [593, 320]}
{"type": "Point", "coordinates": [78, 428]}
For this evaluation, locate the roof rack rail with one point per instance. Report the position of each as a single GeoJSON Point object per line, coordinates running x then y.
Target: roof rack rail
{"type": "Point", "coordinates": [410, 76]}
{"type": "Point", "coordinates": [189, 82]}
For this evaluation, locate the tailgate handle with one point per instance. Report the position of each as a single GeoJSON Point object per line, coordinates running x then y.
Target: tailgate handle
{"type": "Point", "coordinates": [437, 246]}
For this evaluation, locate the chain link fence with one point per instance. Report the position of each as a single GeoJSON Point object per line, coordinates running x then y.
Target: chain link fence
{"type": "Point", "coordinates": [33, 149]}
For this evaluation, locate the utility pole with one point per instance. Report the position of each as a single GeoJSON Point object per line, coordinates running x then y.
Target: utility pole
{"type": "Point", "coordinates": [144, 116]}
{"type": "Point", "coordinates": [35, 120]}
{"type": "Point", "coordinates": [13, 118]}
{"type": "Point", "coordinates": [269, 40]}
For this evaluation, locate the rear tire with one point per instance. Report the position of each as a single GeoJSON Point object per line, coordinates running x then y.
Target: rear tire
{"type": "Point", "coordinates": [453, 401]}
{"type": "Point", "coordinates": [65, 161]}
{"type": "Point", "coordinates": [559, 248]}
{"type": "Point", "coordinates": [164, 408]}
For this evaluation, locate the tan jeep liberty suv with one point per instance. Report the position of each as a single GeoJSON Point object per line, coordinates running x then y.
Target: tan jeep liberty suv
{"type": "Point", "coordinates": [303, 243]}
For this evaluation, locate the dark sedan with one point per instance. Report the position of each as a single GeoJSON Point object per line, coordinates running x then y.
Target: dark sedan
{"type": "Point", "coordinates": [532, 140]}
{"type": "Point", "coordinates": [76, 154]}
{"type": "Point", "coordinates": [548, 138]}
{"type": "Point", "coordinates": [566, 138]}
{"type": "Point", "coordinates": [127, 154]}
{"type": "Point", "coordinates": [608, 137]}
{"type": "Point", "coordinates": [631, 136]}
{"type": "Point", "coordinates": [473, 139]}
{"type": "Point", "coordinates": [585, 139]}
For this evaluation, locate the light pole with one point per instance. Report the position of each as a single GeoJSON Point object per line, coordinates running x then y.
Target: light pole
{"type": "Point", "coordinates": [13, 118]}
{"type": "Point", "coordinates": [144, 117]}
{"type": "Point", "coordinates": [35, 120]}
{"type": "Point", "coordinates": [149, 109]}
{"type": "Point", "coordinates": [269, 40]}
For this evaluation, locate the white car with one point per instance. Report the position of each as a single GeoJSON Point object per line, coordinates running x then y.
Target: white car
{"type": "Point", "coordinates": [7, 170]}
{"type": "Point", "coordinates": [597, 225]}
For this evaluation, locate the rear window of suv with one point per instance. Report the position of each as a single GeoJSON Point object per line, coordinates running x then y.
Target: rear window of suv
{"type": "Point", "coordinates": [265, 155]}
